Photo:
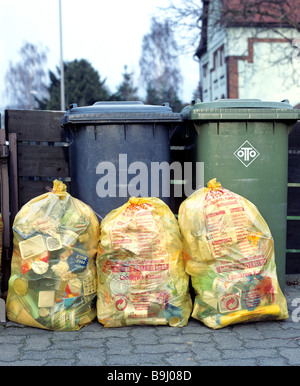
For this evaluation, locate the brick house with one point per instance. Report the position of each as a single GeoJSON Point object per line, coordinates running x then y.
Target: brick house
{"type": "Point", "coordinates": [248, 50]}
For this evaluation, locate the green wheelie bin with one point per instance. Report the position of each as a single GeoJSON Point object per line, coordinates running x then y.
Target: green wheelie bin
{"type": "Point", "coordinates": [244, 144]}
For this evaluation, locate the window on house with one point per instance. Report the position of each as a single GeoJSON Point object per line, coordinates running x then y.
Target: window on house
{"type": "Point", "coordinates": [221, 56]}
{"type": "Point", "coordinates": [215, 59]}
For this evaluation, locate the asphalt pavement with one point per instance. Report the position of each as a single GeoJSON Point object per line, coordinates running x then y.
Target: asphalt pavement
{"type": "Point", "coordinates": [270, 343]}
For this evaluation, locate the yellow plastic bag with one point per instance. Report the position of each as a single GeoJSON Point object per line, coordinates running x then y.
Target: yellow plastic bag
{"type": "Point", "coordinates": [53, 271]}
{"type": "Point", "coordinates": [229, 253]}
{"type": "Point", "coordinates": [141, 276]}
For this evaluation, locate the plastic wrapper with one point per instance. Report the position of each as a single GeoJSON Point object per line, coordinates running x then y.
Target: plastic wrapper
{"type": "Point", "coordinates": [53, 271]}
{"type": "Point", "coordinates": [141, 276]}
{"type": "Point", "coordinates": [229, 253]}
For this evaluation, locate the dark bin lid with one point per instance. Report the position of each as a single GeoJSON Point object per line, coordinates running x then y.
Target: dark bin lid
{"type": "Point", "coordinates": [240, 109]}
{"type": "Point", "coordinates": [106, 112]}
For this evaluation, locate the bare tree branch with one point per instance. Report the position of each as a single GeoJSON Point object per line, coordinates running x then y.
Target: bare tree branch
{"type": "Point", "coordinates": [26, 80]}
{"type": "Point", "coordinates": [159, 59]}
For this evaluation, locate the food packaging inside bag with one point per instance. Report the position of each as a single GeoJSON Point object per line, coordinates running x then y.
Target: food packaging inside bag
{"type": "Point", "coordinates": [229, 253]}
{"type": "Point", "coordinates": [141, 276]}
{"type": "Point", "coordinates": [53, 271]}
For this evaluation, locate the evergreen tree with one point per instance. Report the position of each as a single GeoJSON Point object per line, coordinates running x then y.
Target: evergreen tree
{"type": "Point", "coordinates": [126, 90]}
{"type": "Point", "coordinates": [83, 86]}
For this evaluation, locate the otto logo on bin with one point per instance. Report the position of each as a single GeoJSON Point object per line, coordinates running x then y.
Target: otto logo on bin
{"type": "Point", "coordinates": [246, 153]}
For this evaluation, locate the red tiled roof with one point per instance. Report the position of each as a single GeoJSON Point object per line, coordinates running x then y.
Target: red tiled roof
{"type": "Point", "coordinates": [262, 12]}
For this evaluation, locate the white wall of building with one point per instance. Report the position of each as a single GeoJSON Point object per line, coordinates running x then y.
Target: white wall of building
{"type": "Point", "coordinates": [275, 71]}
{"type": "Point", "coordinates": [268, 77]}
{"type": "Point", "coordinates": [273, 75]}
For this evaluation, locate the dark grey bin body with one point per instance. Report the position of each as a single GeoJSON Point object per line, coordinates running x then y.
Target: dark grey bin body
{"type": "Point", "coordinates": [118, 140]}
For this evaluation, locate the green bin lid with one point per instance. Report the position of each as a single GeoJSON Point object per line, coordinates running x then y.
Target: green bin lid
{"type": "Point", "coordinates": [119, 112]}
{"type": "Point", "coordinates": [240, 109]}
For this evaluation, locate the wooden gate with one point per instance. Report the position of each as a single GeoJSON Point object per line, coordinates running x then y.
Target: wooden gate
{"type": "Point", "coordinates": [38, 154]}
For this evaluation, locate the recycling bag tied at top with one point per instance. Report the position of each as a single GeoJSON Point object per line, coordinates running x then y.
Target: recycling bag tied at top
{"type": "Point", "coordinates": [53, 271]}
{"type": "Point", "coordinates": [141, 276]}
{"type": "Point", "coordinates": [229, 253]}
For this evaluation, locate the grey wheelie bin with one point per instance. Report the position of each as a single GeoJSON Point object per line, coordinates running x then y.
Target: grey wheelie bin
{"type": "Point", "coordinates": [244, 144]}
{"type": "Point", "coordinates": [118, 150]}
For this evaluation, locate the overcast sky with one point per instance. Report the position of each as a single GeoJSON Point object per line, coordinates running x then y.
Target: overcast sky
{"type": "Point", "coordinates": [106, 33]}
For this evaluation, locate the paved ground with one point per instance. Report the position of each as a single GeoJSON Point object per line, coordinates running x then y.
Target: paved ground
{"type": "Point", "coordinates": [252, 344]}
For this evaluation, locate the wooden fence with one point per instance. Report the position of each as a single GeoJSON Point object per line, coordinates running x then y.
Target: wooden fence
{"type": "Point", "coordinates": [34, 152]}
{"type": "Point", "coordinates": [38, 154]}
